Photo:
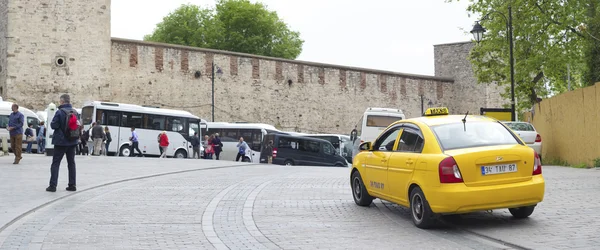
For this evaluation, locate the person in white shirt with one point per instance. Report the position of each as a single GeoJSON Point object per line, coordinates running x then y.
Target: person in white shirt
{"type": "Point", "coordinates": [242, 149]}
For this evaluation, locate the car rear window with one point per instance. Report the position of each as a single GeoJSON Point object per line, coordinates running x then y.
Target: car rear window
{"type": "Point", "coordinates": [520, 126]}
{"type": "Point", "coordinates": [381, 121]}
{"type": "Point", "coordinates": [472, 134]}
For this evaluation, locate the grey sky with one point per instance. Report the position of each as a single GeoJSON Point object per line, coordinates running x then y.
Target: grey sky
{"type": "Point", "coordinates": [396, 35]}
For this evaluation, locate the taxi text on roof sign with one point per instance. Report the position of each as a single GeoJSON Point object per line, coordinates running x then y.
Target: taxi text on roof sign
{"type": "Point", "coordinates": [436, 111]}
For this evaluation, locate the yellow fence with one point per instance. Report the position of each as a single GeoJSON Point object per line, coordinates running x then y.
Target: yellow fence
{"type": "Point", "coordinates": [569, 125]}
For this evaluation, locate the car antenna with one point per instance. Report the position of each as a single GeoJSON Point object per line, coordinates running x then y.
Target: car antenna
{"type": "Point", "coordinates": [464, 120]}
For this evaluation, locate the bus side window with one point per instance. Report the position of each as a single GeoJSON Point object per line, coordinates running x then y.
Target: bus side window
{"type": "Point", "coordinates": [155, 122]}
{"type": "Point", "coordinates": [111, 118]}
{"type": "Point", "coordinates": [252, 137]}
{"type": "Point", "coordinates": [131, 120]}
{"type": "Point", "coordinates": [194, 127]}
{"type": "Point", "coordinates": [100, 116]}
{"type": "Point", "coordinates": [229, 135]}
{"type": "Point", "coordinates": [176, 124]}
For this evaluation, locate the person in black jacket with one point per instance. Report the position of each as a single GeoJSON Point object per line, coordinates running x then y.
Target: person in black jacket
{"type": "Point", "coordinates": [107, 140]}
{"type": "Point", "coordinates": [62, 146]}
{"type": "Point", "coordinates": [195, 140]}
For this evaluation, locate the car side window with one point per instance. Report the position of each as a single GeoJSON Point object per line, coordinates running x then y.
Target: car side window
{"type": "Point", "coordinates": [387, 141]}
{"type": "Point", "coordinates": [410, 141]}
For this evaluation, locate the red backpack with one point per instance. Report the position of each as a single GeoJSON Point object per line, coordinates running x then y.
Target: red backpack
{"type": "Point", "coordinates": [72, 127]}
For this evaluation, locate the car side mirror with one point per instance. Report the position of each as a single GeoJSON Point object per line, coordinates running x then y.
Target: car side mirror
{"type": "Point", "coordinates": [365, 146]}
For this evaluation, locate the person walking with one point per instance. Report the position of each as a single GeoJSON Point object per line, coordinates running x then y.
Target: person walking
{"type": "Point", "coordinates": [29, 137]}
{"type": "Point", "coordinates": [218, 146]}
{"type": "Point", "coordinates": [134, 144]}
{"type": "Point", "coordinates": [108, 140]}
{"type": "Point", "coordinates": [164, 144]}
{"type": "Point", "coordinates": [16, 120]}
{"type": "Point", "coordinates": [160, 149]}
{"type": "Point", "coordinates": [97, 138]}
{"type": "Point", "coordinates": [90, 139]}
{"type": "Point", "coordinates": [210, 148]}
{"type": "Point", "coordinates": [64, 143]}
{"type": "Point", "coordinates": [269, 152]}
{"type": "Point", "coordinates": [83, 148]}
{"type": "Point", "coordinates": [41, 138]}
{"type": "Point", "coordinates": [195, 140]}
{"type": "Point", "coordinates": [242, 149]}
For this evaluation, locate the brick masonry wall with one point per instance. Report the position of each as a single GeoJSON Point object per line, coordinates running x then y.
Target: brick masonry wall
{"type": "Point", "coordinates": [3, 44]}
{"type": "Point", "coordinates": [293, 95]}
{"type": "Point", "coordinates": [451, 60]}
{"type": "Point", "coordinates": [40, 33]}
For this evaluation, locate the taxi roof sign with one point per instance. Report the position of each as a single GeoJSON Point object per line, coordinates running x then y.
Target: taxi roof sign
{"type": "Point", "coordinates": [436, 111]}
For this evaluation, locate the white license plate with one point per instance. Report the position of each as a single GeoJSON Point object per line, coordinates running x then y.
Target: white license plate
{"type": "Point", "coordinates": [498, 169]}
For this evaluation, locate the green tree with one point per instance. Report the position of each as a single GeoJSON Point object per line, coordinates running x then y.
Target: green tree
{"type": "Point", "coordinates": [592, 47]}
{"type": "Point", "coordinates": [547, 39]}
{"type": "Point", "coordinates": [234, 25]}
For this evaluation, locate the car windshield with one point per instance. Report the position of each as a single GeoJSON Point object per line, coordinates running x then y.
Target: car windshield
{"type": "Point", "coordinates": [520, 126]}
{"type": "Point", "coordinates": [472, 134]}
{"type": "Point", "coordinates": [348, 146]}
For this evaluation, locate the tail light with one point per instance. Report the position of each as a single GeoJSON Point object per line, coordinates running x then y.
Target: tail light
{"type": "Point", "coordinates": [274, 152]}
{"type": "Point", "coordinates": [449, 172]}
{"type": "Point", "coordinates": [537, 165]}
{"type": "Point", "coordinates": [538, 138]}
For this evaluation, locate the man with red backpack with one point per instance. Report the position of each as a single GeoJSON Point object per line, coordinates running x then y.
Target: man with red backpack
{"type": "Point", "coordinates": [66, 135]}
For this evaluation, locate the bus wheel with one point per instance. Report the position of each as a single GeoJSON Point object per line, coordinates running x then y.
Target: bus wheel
{"type": "Point", "coordinates": [124, 151]}
{"type": "Point", "coordinates": [180, 154]}
{"type": "Point", "coordinates": [246, 159]}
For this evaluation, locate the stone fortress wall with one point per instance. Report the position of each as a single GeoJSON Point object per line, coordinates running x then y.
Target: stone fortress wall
{"type": "Point", "coordinates": [56, 47]}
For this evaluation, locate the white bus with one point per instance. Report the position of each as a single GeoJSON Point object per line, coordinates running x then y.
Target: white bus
{"type": "Point", "coordinates": [230, 134]}
{"type": "Point", "coordinates": [373, 122]}
{"type": "Point", "coordinates": [148, 123]}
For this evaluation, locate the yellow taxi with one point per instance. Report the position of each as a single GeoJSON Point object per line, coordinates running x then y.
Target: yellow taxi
{"type": "Point", "coordinates": [442, 164]}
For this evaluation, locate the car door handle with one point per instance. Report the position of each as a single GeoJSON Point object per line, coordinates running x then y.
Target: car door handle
{"type": "Point", "coordinates": [410, 162]}
{"type": "Point", "coordinates": [384, 160]}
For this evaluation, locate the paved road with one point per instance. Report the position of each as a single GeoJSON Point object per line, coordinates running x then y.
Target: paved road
{"type": "Point", "coordinates": [149, 203]}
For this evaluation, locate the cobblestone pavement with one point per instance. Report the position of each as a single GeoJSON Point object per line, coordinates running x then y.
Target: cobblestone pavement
{"type": "Point", "coordinates": [134, 203]}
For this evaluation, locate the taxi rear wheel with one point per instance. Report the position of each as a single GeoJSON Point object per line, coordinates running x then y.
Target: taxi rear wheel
{"type": "Point", "coordinates": [521, 212]}
{"type": "Point", "coordinates": [359, 192]}
{"type": "Point", "coordinates": [422, 215]}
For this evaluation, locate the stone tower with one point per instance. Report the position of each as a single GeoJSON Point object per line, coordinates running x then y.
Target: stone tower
{"type": "Point", "coordinates": [51, 47]}
{"type": "Point", "coordinates": [451, 60]}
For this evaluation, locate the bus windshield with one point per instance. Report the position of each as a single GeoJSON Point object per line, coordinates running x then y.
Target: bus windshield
{"type": "Point", "coordinates": [87, 114]}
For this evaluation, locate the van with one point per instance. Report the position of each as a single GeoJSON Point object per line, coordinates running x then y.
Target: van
{"type": "Point", "coordinates": [342, 143]}
{"type": "Point", "coordinates": [30, 118]}
{"type": "Point", "coordinates": [292, 150]}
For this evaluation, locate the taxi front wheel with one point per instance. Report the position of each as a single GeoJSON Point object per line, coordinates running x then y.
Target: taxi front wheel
{"type": "Point", "coordinates": [359, 192]}
{"type": "Point", "coordinates": [422, 215]}
{"type": "Point", "coordinates": [521, 212]}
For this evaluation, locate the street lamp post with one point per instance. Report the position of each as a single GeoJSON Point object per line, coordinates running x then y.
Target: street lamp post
{"type": "Point", "coordinates": [423, 105]}
{"type": "Point", "coordinates": [478, 32]}
{"type": "Point", "coordinates": [219, 72]}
